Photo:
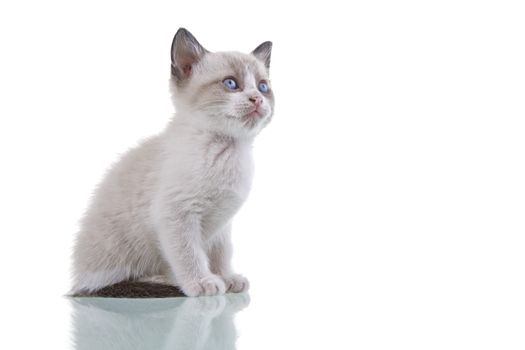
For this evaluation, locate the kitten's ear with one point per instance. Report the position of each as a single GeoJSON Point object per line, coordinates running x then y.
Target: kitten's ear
{"type": "Point", "coordinates": [185, 52]}
{"type": "Point", "coordinates": [264, 52]}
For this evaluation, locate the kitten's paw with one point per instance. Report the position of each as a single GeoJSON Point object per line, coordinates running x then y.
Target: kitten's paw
{"type": "Point", "coordinates": [209, 285]}
{"type": "Point", "coordinates": [236, 283]}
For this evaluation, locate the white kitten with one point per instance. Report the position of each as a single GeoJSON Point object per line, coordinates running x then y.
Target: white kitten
{"type": "Point", "coordinates": [164, 211]}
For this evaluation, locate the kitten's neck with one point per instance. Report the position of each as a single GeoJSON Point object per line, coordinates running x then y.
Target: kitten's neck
{"type": "Point", "coordinates": [199, 127]}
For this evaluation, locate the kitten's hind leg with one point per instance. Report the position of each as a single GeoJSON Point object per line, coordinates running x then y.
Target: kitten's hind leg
{"type": "Point", "coordinates": [89, 282]}
{"type": "Point", "coordinates": [159, 279]}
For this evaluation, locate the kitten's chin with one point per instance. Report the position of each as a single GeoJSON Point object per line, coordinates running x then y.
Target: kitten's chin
{"type": "Point", "coordinates": [245, 126]}
{"type": "Point", "coordinates": [251, 120]}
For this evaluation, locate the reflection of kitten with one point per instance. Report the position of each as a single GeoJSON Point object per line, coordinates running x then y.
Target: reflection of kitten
{"type": "Point", "coordinates": [173, 323]}
{"type": "Point", "coordinates": [164, 211]}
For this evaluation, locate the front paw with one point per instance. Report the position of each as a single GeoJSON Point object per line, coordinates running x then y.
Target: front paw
{"type": "Point", "coordinates": [209, 285]}
{"type": "Point", "coordinates": [236, 283]}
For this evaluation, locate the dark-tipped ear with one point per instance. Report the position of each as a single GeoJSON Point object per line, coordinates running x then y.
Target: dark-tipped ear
{"type": "Point", "coordinates": [185, 52]}
{"type": "Point", "coordinates": [264, 53]}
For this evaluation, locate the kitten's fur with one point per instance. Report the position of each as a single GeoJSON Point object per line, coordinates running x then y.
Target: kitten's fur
{"type": "Point", "coordinates": [163, 213]}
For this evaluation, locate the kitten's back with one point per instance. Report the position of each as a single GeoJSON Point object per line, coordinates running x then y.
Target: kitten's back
{"type": "Point", "coordinates": [114, 243]}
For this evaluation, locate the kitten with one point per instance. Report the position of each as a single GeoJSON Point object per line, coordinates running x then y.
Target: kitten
{"type": "Point", "coordinates": [163, 213]}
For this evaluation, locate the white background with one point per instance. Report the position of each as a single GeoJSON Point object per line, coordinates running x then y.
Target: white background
{"type": "Point", "coordinates": [388, 205]}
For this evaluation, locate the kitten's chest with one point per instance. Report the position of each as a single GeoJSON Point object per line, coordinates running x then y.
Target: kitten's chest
{"type": "Point", "coordinates": [227, 171]}
{"type": "Point", "coordinates": [226, 184]}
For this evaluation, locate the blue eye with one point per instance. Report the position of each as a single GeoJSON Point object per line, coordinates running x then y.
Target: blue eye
{"type": "Point", "coordinates": [263, 87]}
{"type": "Point", "coordinates": [230, 83]}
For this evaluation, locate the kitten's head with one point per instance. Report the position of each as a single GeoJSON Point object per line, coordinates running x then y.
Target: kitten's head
{"type": "Point", "coordinates": [226, 92]}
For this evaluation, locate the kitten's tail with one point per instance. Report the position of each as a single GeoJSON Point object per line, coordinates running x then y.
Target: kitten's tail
{"type": "Point", "coordinates": [134, 289]}
{"type": "Point", "coordinates": [158, 286]}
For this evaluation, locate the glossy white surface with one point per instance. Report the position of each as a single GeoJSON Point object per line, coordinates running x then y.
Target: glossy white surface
{"type": "Point", "coordinates": [175, 323]}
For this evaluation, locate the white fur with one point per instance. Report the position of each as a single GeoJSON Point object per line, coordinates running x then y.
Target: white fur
{"type": "Point", "coordinates": [165, 209]}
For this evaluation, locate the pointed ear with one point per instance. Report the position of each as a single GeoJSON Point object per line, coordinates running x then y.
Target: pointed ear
{"type": "Point", "coordinates": [264, 52]}
{"type": "Point", "coordinates": [185, 53]}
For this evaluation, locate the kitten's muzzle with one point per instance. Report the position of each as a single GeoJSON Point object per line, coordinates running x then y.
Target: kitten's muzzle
{"type": "Point", "coordinates": [256, 100]}
{"type": "Point", "coordinates": [254, 113]}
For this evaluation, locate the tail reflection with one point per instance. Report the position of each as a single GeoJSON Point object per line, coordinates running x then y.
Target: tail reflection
{"type": "Point", "coordinates": [172, 323]}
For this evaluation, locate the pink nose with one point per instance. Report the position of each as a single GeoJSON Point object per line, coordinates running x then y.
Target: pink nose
{"type": "Point", "coordinates": [257, 100]}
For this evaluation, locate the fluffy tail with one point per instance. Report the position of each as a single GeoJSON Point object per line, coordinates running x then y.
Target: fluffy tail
{"type": "Point", "coordinates": [134, 289]}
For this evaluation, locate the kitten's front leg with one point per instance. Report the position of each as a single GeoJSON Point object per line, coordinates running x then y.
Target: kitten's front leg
{"type": "Point", "coordinates": [220, 254]}
{"type": "Point", "coordinates": [182, 247]}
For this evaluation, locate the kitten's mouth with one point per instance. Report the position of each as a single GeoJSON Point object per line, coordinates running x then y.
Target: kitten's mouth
{"type": "Point", "coordinates": [254, 113]}
{"type": "Point", "coordinates": [252, 118]}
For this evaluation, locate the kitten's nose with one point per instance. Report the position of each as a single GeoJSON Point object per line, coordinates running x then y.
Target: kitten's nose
{"type": "Point", "coordinates": [257, 100]}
